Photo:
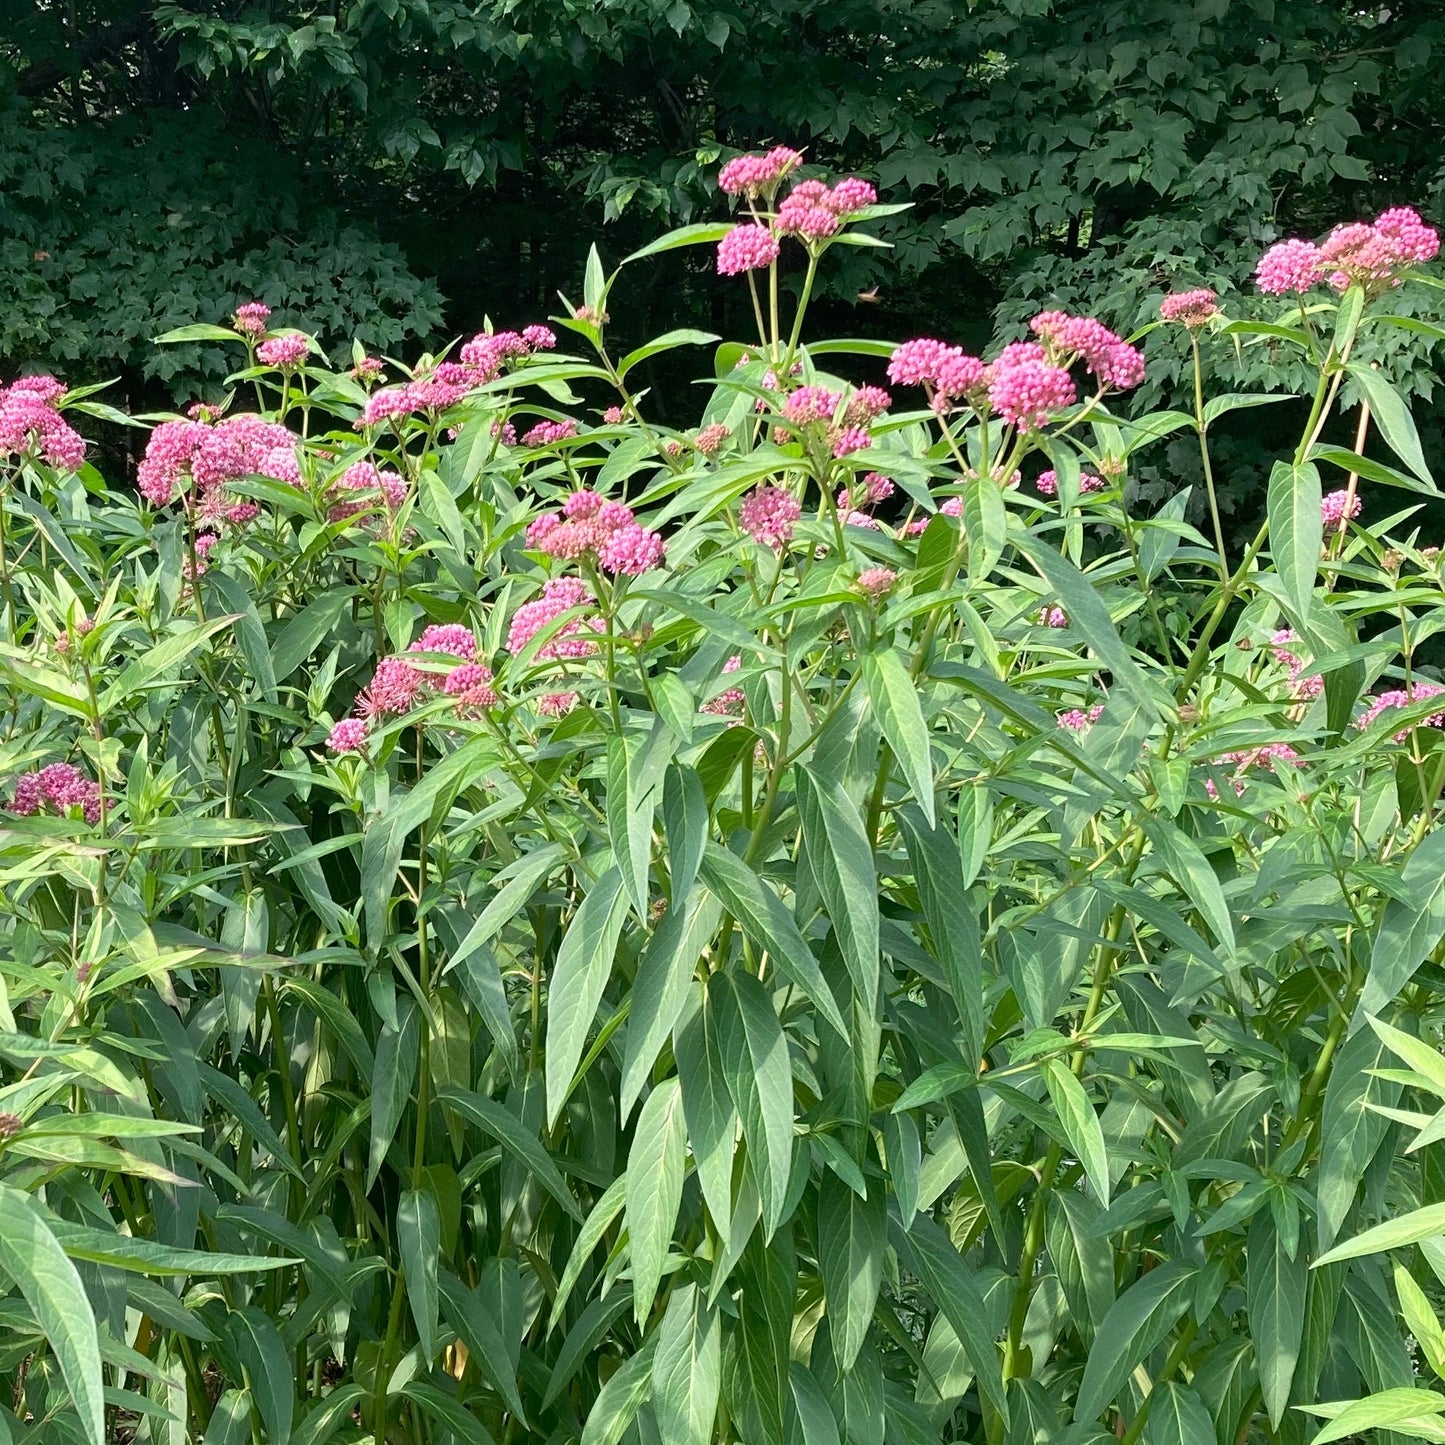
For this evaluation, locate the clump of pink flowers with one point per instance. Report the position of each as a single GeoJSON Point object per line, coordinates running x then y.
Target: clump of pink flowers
{"type": "Point", "coordinates": [1105, 355]}
{"type": "Point", "coordinates": [211, 457]}
{"type": "Point", "coordinates": [556, 704]}
{"type": "Point", "coordinates": [753, 175]}
{"type": "Point", "coordinates": [749, 247]}
{"type": "Point", "coordinates": [589, 525]}
{"type": "Point", "coordinates": [471, 686]}
{"type": "Point", "coordinates": [710, 439]}
{"type": "Point", "coordinates": [1403, 697]}
{"type": "Point", "coordinates": [1190, 308]}
{"type": "Point", "coordinates": [1304, 686]}
{"type": "Point", "coordinates": [947, 373]}
{"type": "Point", "coordinates": [813, 210]}
{"type": "Point", "coordinates": [575, 638]}
{"type": "Point", "coordinates": [547, 432]}
{"type": "Point", "coordinates": [768, 515]}
{"type": "Point", "coordinates": [1053, 617]}
{"type": "Point", "coordinates": [876, 582]}
{"type": "Point", "coordinates": [366, 487]}
{"type": "Point", "coordinates": [1076, 720]}
{"type": "Point", "coordinates": [286, 351]}
{"type": "Point", "coordinates": [1339, 507]}
{"type": "Point", "coordinates": [1354, 253]}
{"type": "Point", "coordinates": [845, 419]}
{"type": "Point", "coordinates": [349, 735]}
{"type": "Point", "coordinates": [57, 788]}
{"type": "Point", "coordinates": [731, 700]}
{"type": "Point", "coordinates": [1048, 483]}
{"type": "Point", "coordinates": [31, 425]}
{"type": "Point", "coordinates": [1269, 756]}
{"type": "Point", "coordinates": [251, 317]}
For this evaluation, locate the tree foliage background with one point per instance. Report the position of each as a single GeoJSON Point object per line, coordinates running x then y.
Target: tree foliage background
{"type": "Point", "coordinates": [401, 169]}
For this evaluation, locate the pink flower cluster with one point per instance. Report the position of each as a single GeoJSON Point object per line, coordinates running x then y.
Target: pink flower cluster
{"type": "Point", "coordinates": [1370, 255]}
{"type": "Point", "coordinates": [1107, 356]}
{"type": "Point", "coordinates": [591, 526]}
{"type": "Point", "coordinates": [813, 210]}
{"type": "Point", "coordinates": [397, 685]}
{"type": "Point", "coordinates": [482, 360]}
{"type": "Point", "coordinates": [30, 425]}
{"type": "Point", "coordinates": [547, 432]}
{"type": "Point", "coordinates": [952, 507]}
{"type": "Point", "coordinates": [367, 488]}
{"type": "Point", "coordinates": [847, 421]}
{"type": "Point", "coordinates": [873, 488]}
{"type": "Point", "coordinates": [1403, 697]}
{"type": "Point", "coordinates": [768, 514]}
{"type": "Point", "coordinates": [1028, 390]}
{"type": "Point", "coordinates": [753, 175]}
{"type": "Point", "coordinates": [1336, 508]}
{"type": "Point", "coordinates": [556, 704]}
{"type": "Point", "coordinates": [749, 247]}
{"type": "Point", "coordinates": [876, 582]}
{"type": "Point", "coordinates": [1190, 308]}
{"type": "Point", "coordinates": [946, 372]}
{"type": "Point", "coordinates": [286, 351]}
{"type": "Point", "coordinates": [60, 787]}
{"type": "Point", "coordinates": [1053, 617]}
{"type": "Point", "coordinates": [1048, 483]}
{"type": "Point", "coordinates": [1242, 760]}
{"type": "Point", "coordinates": [731, 700]}
{"type": "Point", "coordinates": [710, 439]}
{"type": "Point", "coordinates": [576, 637]}
{"type": "Point", "coordinates": [1304, 687]}
{"type": "Point", "coordinates": [212, 457]}
{"type": "Point", "coordinates": [1076, 719]}
{"type": "Point", "coordinates": [250, 318]}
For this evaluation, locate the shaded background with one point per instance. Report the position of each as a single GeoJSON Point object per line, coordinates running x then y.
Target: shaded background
{"type": "Point", "coordinates": [402, 169]}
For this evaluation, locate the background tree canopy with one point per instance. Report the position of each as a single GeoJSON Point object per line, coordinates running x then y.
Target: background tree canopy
{"type": "Point", "coordinates": [404, 168]}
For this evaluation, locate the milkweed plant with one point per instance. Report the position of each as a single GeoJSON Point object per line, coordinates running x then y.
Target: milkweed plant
{"type": "Point", "coordinates": [823, 926]}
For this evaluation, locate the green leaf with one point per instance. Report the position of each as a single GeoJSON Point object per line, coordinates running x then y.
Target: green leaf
{"type": "Point", "coordinates": [1295, 529]}
{"type": "Point", "coordinates": [668, 341]}
{"type": "Point", "coordinates": [852, 1235]}
{"type": "Point", "coordinates": [1190, 869]}
{"type": "Point", "coordinates": [304, 632]}
{"type": "Point", "coordinates": [508, 1130]}
{"type": "Point", "coordinates": [1275, 1301]}
{"type": "Point", "coordinates": [1081, 1125]}
{"type": "Point", "coordinates": [391, 1083]}
{"type": "Point", "coordinates": [1396, 1233]}
{"type": "Point", "coordinates": [687, 1369]}
{"type": "Point", "coordinates": [579, 977]}
{"type": "Point", "coordinates": [985, 525]}
{"type": "Point", "coordinates": [598, 1222]}
{"type": "Point", "coordinates": [759, 1075]}
{"type": "Point", "coordinates": [656, 1164]}
{"type": "Point", "coordinates": [811, 1420]}
{"type": "Point", "coordinates": [1412, 925]}
{"type": "Point", "coordinates": [1388, 1410]}
{"type": "Point", "coordinates": [33, 1258]}
{"type": "Point", "coordinates": [700, 234]}
{"type": "Point", "coordinates": [200, 331]}
{"type": "Point", "coordinates": [1177, 1416]}
{"type": "Point", "coordinates": [158, 660]}
{"type": "Point", "coordinates": [419, 1237]}
{"type": "Point", "coordinates": [268, 1371]}
{"type": "Point", "coordinates": [1392, 417]}
{"type": "Point", "coordinates": [1136, 1324]}
{"type": "Point", "coordinates": [685, 822]}
{"type": "Point", "coordinates": [708, 1105]}
{"type": "Point", "coordinates": [659, 991]}
{"type": "Point", "coordinates": [954, 1289]}
{"type": "Point", "coordinates": [620, 1399]}
{"type": "Point", "coordinates": [449, 1411]}
{"type": "Point", "coordinates": [893, 696]}
{"type": "Point", "coordinates": [480, 1331]}
{"type": "Point", "coordinates": [841, 858]}
{"type": "Point", "coordinates": [760, 913]}
{"type": "Point", "coordinates": [148, 1256]}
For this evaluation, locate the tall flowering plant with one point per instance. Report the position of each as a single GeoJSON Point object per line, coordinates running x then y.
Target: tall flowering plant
{"type": "Point", "coordinates": [823, 926]}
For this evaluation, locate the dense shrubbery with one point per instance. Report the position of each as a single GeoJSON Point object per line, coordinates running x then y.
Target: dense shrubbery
{"type": "Point", "coordinates": [523, 923]}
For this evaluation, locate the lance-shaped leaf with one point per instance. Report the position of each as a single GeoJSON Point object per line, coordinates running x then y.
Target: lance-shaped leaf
{"type": "Point", "coordinates": [687, 1369]}
{"type": "Point", "coordinates": [1412, 925]}
{"type": "Point", "coordinates": [584, 964]}
{"type": "Point", "coordinates": [841, 859]}
{"type": "Point", "coordinates": [655, 1167]}
{"type": "Point", "coordinates": [1275, 1298]}
{"type": "Point", "coordinates": [1295, 530]}
{"type": "Point", "coordinates": [1081, 1125]}
{"type": "Point", "coordinates": [419, 1236]}
{"type": "Point", "coordinates": [851, 1239]}
{"type": "Point", "coordinates": [893, 697]}
{"type": "Point", "coordinates": [707, 1102]}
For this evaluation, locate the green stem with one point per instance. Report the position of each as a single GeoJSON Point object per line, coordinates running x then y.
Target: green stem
{"type": "Point", "coordinates": [1202, 427]}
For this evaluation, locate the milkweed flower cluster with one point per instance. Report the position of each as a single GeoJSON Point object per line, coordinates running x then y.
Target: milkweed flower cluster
{"type": "Point", "coordinates": [57, 788]}
{"type": "Point", "coordinates": [348, 736]}
{"type": "Point", "coordinates": [1371, 255]}
{"type": "Point", "coordinates": [1338, 507]}
{"type": "Point", "coordinates": [1053, 617]}
{"type": "Point", "coordinates": [1190, 308]}
{"type": "Point", "coordinates": [1048, 483]}
{"type": "Point", "coordinates": [813, 210]}
{"type": "Point", "coordinates": [251, 317]}
{"type": "Point", "coordinates": [750, 247]}
{"type": "Point", "coordinates": [576, 638]}
{"type": "Point", "coordinates": [482, 359]}
{"type": "Point", "coordinates": [210, 457]}
{"type": "Point", "coordinates": [1304, 686]}
{"type": "Point", "coordinates": [1403, 697]}
{"type": "Point", "coordinates": [768, 514]}
{"type": "Point", "coordinates": [1242, 760]}
{"type": "Point", "coordinates": [947, 373]}
{"type": "Point", "coordinates": [1029, 391]}
{"type": "Point", "coordinates": [367, 487]}
{"type": "Point", "coordinates": [1076, 720]}
{"type": "Point", "coordinates": [867, 491]}
{"type": "Point", "coordinates": [286, 351]}
{"type": "Point", "coordinates": [755, 175]}
{"type": "Point", "coordinates": [1105, 355]}
{"type": "Point", "coordinates": [547, 432]}
{"type": "Point", "coordinates": [31, 425]}
{"type": "Point", "coordinates": [556, 704]}
{"type": "Point", "coordinates": [590, 526]}
{"type": "Point", "coordinates": [731, 700]}
{"type": "Point", "coordinates": [876, 582]}
{"type": "Point", "coordinates": [845, 419]}
{"type": "Point", "coordinates": [710, 439]}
